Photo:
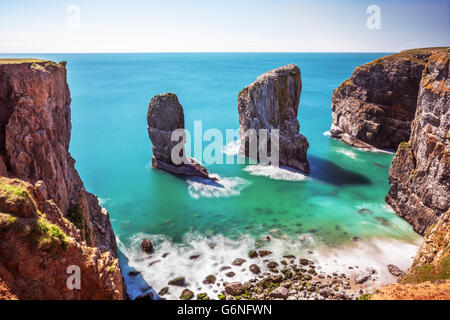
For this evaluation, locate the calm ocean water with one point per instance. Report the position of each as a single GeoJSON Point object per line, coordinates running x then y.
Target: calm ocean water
{"type": "Point", "coordinates": [341, 201]}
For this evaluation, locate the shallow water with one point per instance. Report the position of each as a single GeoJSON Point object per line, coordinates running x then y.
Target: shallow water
{"type": "Point", "coordinates": [341, 199]}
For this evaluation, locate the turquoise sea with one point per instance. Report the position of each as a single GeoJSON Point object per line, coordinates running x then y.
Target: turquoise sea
{"type": "Point", "coordinates": [336, 215]}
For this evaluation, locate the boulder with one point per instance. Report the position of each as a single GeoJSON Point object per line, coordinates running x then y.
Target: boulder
{"type": "Point", "coordinates": [254, 269]}
{"type": "Point", "coordinates": [147, 246]}
{"type": "Point", "coordinates": [186, 294]}
{"type": "Point", "coordinates": [279, 293]}
{"type": "Point", "coordinates": [234, 288]}
{"type": "Point", "coordinates": [179, 281]}
{"type": "Point", "coordinates": [238, 262]}
{"type": "Point", "coordinates": [394, 270]}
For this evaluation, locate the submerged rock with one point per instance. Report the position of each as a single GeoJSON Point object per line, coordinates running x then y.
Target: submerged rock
{"type": "Point", "coordinates": [165, 115]}
{"type": "Point", "coordinates": [147, 246]}
{"type": "Point", "coordinates": [179, 281]}
{"type": "Point", "coordinates": [263, 253]}
{"type": "Point", "coordinates": [210, 279]}
{"type": "Point", "coordinates": [271, 102]}
{"type": "Point", "coordinates": [238, 262]}
{"type": "Point", "coordinates": [163, 291]}
{"type": "Point", "coordinates": [254, 269]}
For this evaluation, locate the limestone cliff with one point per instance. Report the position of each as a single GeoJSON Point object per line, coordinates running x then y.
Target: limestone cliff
{"type": "Point", "coordinates": [48, 220]}
{"type": "Point", "coordinates": [165, 115]}
{"type": "Point", "coordinates": [376, 105]}
{"type": "Point", "coordinates": [420, 171]}
{"type": "Point", "coordinates": [271, 102]}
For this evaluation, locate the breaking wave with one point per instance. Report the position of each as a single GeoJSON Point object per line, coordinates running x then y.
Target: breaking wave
{"type": "Point", "coordinates": [275, 173]}
{"type": "Point", "coordinates": [223, 187]}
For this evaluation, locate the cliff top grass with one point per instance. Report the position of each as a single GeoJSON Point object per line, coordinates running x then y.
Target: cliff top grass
{"type": "Point", "coordinates": [411, 54]}
{"type": "Point", "coordinates": [19, 61]}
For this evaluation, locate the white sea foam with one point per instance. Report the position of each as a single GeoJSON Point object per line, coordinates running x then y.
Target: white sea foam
{"type": "Point", "coordinates": [172, 260]}
{"type": "Point", "coordinates": [327, 133]}
{"type": "Point", "coordinates": [224, 187]}
{"type": "Point", "coordinates": [275, 173]}
{"type": "Point", "coordinates": [374, 254]}
{"type": "Point", "coordinates": [348, 153]}
{"type": "Point", "coordinates": [103, 201]}
{"type": "Point", "coordinates": [232, 148]}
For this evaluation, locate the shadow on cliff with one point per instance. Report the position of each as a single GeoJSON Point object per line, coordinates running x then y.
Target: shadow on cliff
{"type": "Point", "coordinates": [135, 284]}
{"type": "Point", "coordinates": [326, 171]}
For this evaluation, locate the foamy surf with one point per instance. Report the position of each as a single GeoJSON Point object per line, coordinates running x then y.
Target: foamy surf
{"type": "Point", "coordinates": [275, 173]}
{"type": "Point", "coordinates": [327, 133]}
{"type": "Point", "coordinates": [365, 256]}
{"type": "Point", "coordinates": [232, 148]}
{"type": "Point", "coordinates": [195, 258]}
{"type": "Point", "coordinates": [223, 187]}
{"type": "Point", "coordinates": [346, 152]}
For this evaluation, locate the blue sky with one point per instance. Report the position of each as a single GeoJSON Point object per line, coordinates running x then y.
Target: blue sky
{"type": "Point", "coordinates": [219, 26]}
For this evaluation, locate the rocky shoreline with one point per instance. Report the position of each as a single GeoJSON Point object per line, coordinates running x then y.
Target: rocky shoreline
{"type": "Point", "coordinates": [289, 278]}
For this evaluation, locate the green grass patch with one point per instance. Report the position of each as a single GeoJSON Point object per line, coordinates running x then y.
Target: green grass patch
{"type": "Point", "coordinates": [404, 145]}
{"type": "Point", "coordinates": [12, 191]}
{"type": "Point", "coordinates": [430, 272]}
{"type": "Point", "coordinates": [45, 231]}
{"type": "Point", "coordinates": [365, 296]}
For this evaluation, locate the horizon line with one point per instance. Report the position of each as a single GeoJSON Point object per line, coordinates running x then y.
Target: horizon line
{"type": "Point", "coordinates": [184, 52]}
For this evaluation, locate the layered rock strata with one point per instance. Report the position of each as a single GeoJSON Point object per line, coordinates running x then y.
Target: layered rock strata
{"type": "Point", "coordinates": [271, 102]}
{"type": "Point", "coordinates": [420, 171]}
{"type": "Point", "coordinates": [374, 108]}
{"type": "Point", "coordinates": [49, 222]}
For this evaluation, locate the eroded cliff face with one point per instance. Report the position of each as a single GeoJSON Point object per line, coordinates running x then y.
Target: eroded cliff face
{"type": "Point", "coordinates": [271, 102]}
{"type": "Point", "coordinates": [420, 171]}
{"type": "Point", "coordinates": [376, 105]}
{"type": "Point", "coordinates": [34, 142]}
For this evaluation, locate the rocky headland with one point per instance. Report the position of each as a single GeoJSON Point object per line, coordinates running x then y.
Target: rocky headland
{"type": "Point", "coordinates": [48, 221]}
{"type": "Point", "coordinates": [165, 115]}
{"type": "Point", "coordinates": [402, 102]}
{"type": "Point", "coordinates": [420, 171]}
{"type": "Point", "coordinates": [271, 102]}
{"type": "Point", "coordinates": [375, 107]}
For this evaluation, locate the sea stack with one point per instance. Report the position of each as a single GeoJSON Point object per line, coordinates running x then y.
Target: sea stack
{"type": "Point", "coordinates": [49, 223]}
{"type": "Point", "coordinates": [420, 171]}
{"type": "Point", "coordinates": [271, 102]}
{"type": "Point", "coordinates": [374, 108]}
{"type": "Point", "coordinates": [165, 115]}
